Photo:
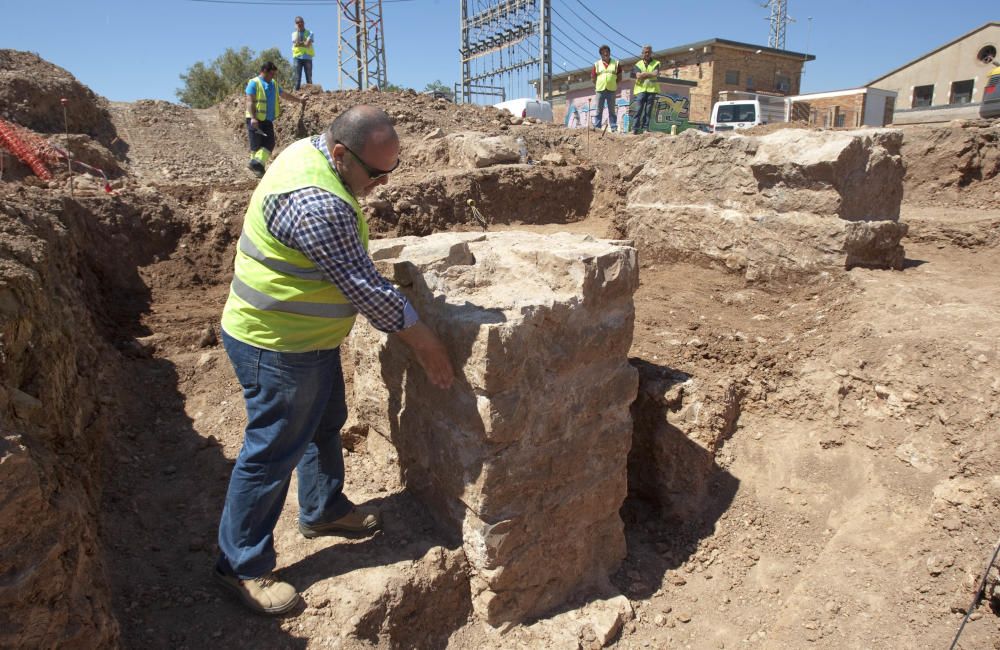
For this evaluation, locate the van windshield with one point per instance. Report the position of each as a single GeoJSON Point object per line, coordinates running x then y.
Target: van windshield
{"type": "Point", "coordinates": [736, 113]}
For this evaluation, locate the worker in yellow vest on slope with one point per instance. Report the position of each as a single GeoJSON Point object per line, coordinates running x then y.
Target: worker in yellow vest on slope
{"type": "Point", "coordinates": [302, 274]}
{"type": "Point", "coordinates": [606, 74]}
{"type": "Point", "coordinates": [302, 52]}
{"type": "Point", "coordinates": [263, 97]}
{"type": "Point", "coordinates": [646, 89]}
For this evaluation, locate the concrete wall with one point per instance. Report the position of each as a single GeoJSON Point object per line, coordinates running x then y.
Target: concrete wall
{"type": "Point", "coordinates": [956, 62]}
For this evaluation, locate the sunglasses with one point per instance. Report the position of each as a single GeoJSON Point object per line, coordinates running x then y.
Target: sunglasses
{"type": "Point", "coordinates": [373, 174]}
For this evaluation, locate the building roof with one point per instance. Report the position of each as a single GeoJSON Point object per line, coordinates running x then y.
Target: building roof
{"type": "Point", "coordinates": [933, 52]}
{"type": "Point", "coordinates": [684, 49]}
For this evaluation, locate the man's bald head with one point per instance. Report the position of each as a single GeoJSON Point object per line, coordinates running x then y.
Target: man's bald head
{"type": "Point", "coordinates": [361, 126]}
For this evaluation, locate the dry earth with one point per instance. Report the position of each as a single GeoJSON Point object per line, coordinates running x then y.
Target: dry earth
{"type": "Point", "coordinates": [834, 437]}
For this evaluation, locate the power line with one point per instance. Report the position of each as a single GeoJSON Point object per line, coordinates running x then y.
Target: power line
{"type": "Point", "coordinates": [616, 45]}
{"type": "Point", "coordinates": [580, 2]}
{"type": "Point", "coordinates": [289, 3]}
{"type": "Point", "coordinates": [594, 43]}
{"type": "Point", "coordinates": [571, 43]}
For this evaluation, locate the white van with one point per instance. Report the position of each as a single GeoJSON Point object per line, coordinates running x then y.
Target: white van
{"type": "Point", "coordinates": [524, 107]}
{"type": "Point", "coordinates": [747, 113]}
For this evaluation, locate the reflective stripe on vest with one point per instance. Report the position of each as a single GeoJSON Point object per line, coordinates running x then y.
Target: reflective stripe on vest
{"type": "Point", "coordinates": [260, 101]}
{"type": "Point", "coordinates": [299, 50]}
{"type": "Point", "coordinates": [248, 248]}
{"type": "Point", "coordinates": [260, 300]}
{"type": "Point", "coordinates": [646, 85]}
{"type": "Point", "coordinates": [607, 76]}
{"type": "Point", "coordinates": [279, 299]}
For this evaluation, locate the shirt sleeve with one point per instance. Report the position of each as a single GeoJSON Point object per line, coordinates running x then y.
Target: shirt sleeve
{"type": "Point", "coordinates": [251, 89]}
{"type": "Point", "coordinates": [323, 227]}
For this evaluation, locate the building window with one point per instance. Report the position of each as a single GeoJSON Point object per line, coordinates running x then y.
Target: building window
{"type": "Point", "coordinates": [840, 119]}
{"type": "Point", "coordinates": [733, 77]}
{"type": "Point", "coordinates": [923, 96]}
{"type": "Point", "coordinates": [749, 82]}
{"type": "Point", "coordinates": [961, 91]}
{"type": "Point", "coordinates": [782, 84]}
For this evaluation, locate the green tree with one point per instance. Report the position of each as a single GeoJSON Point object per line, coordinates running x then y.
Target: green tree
{"type": "Point", "coordinates": [393, 88]}
{"type": "Point", "coordinates": [208, 84]}
{"type": "Point", "coordinates": [437, 86]}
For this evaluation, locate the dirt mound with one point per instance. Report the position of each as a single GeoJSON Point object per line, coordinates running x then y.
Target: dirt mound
{"type": "Point", "coordinates": [31, 90]}
{"type": "Point", "coordinates": [954, 164]}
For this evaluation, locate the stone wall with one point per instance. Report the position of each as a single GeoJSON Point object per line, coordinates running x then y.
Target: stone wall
{"type": "Point", "coordinates": [523, 460]}
{"type": "Point", "coordinates": [790, 201]}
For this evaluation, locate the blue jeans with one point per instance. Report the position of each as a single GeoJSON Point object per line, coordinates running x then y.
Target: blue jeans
{"type": "Point", "coordinates": [307, 66]}
{"type": "Point", "coordinates": [295, 409]}
{"type": "Point", "coordinates": [606, 98]}
{"type": "Point", "coordinates": [644, 109]}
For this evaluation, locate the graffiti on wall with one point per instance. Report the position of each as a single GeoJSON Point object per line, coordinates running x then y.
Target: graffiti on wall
{"type": "Point", "coordinates": [672, 107]}
{"type": "Point", "coordinates": [581, 110]}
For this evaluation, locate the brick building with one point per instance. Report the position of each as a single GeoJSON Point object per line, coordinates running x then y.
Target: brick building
{"type": "Point", "coordinates": [844, 108]}
{"type": "Point", "coordinates": [715, 65]}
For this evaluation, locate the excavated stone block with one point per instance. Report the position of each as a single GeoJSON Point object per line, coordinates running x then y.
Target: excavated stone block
{"type": "Point", "coordinates": [792, 200]}
{"type": "Point", "coordinates": [474, 150]}
{"type": "Point", "coordinates": [524, 459]}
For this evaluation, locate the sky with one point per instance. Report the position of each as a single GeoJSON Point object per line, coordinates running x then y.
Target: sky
{"type": "Point", "coordinates": [136, 49]}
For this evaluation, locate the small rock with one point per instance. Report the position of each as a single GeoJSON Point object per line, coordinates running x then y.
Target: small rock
{"type": "Point", "coordinates": [910, 396]}
{"type": "Point", "coordinates": [881, 391]}
{"type": "Point", "coordinates": [208, 338]}
{"type": "Point", "coordinates": [434, 134]}
{"type": "Point", "coordinates": [659, 620]}
{"type": "Point", "coordinates": [683, 617]}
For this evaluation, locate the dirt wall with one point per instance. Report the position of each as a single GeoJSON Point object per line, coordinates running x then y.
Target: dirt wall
{"type": "Point", "coordinates": [952, 165]}
{"type": "Point", "coordinates": [68, 276]}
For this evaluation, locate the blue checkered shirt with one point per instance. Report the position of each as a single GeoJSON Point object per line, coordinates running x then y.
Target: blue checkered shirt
{"type": "Point", "coordinates": [323, 227]}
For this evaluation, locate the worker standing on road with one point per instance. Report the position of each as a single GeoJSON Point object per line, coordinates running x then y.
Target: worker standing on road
{"type": "Point", "coordinates": [302, 52]}
{"type": "Point", "coordinates": [302, 273]}
{"type": "Point", "coordinates": [263, 97]}
{"type": "Point", "coordinates": [646, 89]}
{"type": "Point", "coordinates": [606, 74]}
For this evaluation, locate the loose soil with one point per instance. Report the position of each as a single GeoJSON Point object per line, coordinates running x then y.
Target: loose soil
{"type": "Point", "coordinates": [851, 505]}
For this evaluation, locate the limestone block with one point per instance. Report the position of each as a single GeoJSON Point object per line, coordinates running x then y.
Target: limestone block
{"type": "Point", "coordinates": [792, 200]}
{"type": "Point", "coordinates": [523, 460]}
{"type": "Point", "coordinates": [474, 150]}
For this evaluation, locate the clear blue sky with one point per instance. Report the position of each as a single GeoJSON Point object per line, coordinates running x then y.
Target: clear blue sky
{"type": "Point", "coordinates": [135, 49]}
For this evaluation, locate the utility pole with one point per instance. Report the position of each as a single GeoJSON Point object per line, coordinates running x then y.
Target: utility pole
{"type": "Point", "coordinates": [545, 51]}
{"type": "Point", "coordinates": [497, 38]}
{"type": "Point", "coordinates": [779, 22]}
{"type": "Point", "coordinates": [361, 44]}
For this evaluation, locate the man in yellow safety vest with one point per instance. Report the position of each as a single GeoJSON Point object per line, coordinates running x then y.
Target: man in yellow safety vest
{"type": "Point", "coordinates": [263, 106]}
{"type": "Point", "coordinates": [302, 274]}
{"type": "Point", "coordinates": [302, 52]}
{"type": "Point", "coordinates": [606, 73]}
{"type": "Point", "coordinates": [646, 89]}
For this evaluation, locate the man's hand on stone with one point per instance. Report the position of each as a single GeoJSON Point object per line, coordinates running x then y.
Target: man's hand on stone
{"type": "Point", "coordinates": [430, 352]}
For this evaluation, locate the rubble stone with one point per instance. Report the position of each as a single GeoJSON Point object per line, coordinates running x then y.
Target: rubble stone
{"type": "Point", "coordinates": [527, 464]}
{"type": "Point", "coordinates": [789, 201]}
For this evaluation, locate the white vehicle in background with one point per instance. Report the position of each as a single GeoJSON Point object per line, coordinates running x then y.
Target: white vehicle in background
{"type": "Point", "coordinates": [524, 107]}
{"type": "Point", "coordinates": [748, 113]}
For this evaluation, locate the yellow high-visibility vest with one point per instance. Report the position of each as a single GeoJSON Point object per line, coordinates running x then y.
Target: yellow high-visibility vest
{"type": "Point", "coordinates": [607, 75]}
{"type": "Point", "coordinates": [260, 101]}
{"type": "Point", "coordinates": [646, 85]}
{"type": "Point", "coordinates": [299, 50]}
{"type": "Point", "coordinates": [279, 299]}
